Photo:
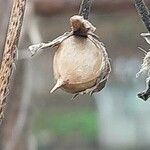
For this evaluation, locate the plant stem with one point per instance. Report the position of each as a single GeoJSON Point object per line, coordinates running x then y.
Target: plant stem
{"type": "Point", "coordinates": [10, 50]}
{"type": "Point", "coordinates": [143, 12]}
{"type": "Point", "coordinates": [85, 8]}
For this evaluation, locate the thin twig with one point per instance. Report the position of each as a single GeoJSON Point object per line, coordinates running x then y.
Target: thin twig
{"type": "Point", "coordinates": [143, 12]}
{"type": "Point", "coordinates": [10, 50]}
{"type": "Point", "coordinates": [85, 8]}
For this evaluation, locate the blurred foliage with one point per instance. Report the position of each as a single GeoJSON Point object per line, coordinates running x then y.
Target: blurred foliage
{"type": "Point", "coordinates": [83, 123]}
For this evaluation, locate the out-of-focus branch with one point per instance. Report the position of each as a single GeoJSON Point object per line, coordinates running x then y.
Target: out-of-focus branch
{"type": "Point", "coordinates": [143, 12]}
{"type": "Point", "coordinates": [10, 50]}
{"type": "Point", "coordinates": [85, 8]}
{"type": "Point", "coordinates": [31, 28]}
{"type": "Point", "coordinates": [19, 132]}
{"type": "Point", "coordinates": [24, 109]}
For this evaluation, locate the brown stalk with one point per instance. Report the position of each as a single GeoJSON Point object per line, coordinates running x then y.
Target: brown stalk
{"type": "Point", "coordinates": [10, 50]}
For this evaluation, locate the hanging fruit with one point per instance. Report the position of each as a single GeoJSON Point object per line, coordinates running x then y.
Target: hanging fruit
{"type": "Point", "coordinates": [81, 64]}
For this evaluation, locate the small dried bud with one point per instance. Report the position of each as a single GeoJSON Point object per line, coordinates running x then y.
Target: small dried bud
{"type": "Point", "coordinates": [78, 23]}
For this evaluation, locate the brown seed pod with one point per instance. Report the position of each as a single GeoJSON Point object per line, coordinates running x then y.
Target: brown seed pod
{"type": "Point", "coordinates": [81, 64]}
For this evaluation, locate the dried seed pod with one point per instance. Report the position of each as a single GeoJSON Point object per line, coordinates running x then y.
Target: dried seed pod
{"type": "Point", "coordinates": [81, 64]}
{"type": "Point", "coordinates": [80, 60]}
{"type": "Point", "coordinates": [77, 63]}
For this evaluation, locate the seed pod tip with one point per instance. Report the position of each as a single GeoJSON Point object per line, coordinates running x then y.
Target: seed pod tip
{"type": "Point", "coordinates": [58, 84]}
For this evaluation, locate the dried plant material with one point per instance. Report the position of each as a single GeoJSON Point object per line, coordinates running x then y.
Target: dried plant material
{"type": "Point", "coordinates": [78, 23]}
{"type": "Point", "coordinates": [144, 13]}
{"type": "Point", "coordinates": [38, 47]}
{"type": "Point", "coordinates": [85, 8]}
{"type": "Point", "coordinates": [10, 50]}
{"type": "Point", "coordinates": [146, 37]}
{"type": "Point", "coordinates": [145, 68]}
{"type": "Point", "coordinates": [81, 64]}
{"type": "Point", "coordinates": [146, 93]}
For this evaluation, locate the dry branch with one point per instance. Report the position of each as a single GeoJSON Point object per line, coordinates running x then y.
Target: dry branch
{"type": "Point", "coordinates": [10, 50]}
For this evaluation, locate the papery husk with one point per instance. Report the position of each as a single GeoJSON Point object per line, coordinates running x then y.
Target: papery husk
{"type": "Point", "coordinates": [77, 65]}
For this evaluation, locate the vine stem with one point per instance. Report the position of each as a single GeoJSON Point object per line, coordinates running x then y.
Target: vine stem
{"type": "Point", "coordinates": [10, 51]}
{"type": "Point", "coordinates": [85, 8]}
{"type": "Point", "coordinates": [143, 12]}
